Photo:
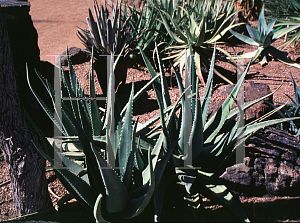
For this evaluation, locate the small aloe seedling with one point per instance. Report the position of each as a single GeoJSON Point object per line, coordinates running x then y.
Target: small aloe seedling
{"type": "Point", "coordinates": [293, 110]}
{"type": "Point", "coordinates": [262, 37]}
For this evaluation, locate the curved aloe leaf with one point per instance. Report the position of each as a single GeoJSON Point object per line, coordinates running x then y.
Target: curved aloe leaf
{"type": "Point", "coordinates": [235, 111]}
{"type": "Point", "coordinates": [126, 137]}
{"type": "Point", "coordinates": [296, 90]}
{"type": "Point", "coordinates": [278, 55]}
{"type": "Point", "coordinates": [140, 92]}
{"type": "Point", "coordinates": [282, 32]}
{"type": "Point", "coordinates": [94, 111]}
{"type": "Point", "coordinates": [73, 183]}
{"type": "Point", "coordinates": [258, 52]}
{"type": "Point", "coordinates": [254, 127]}
{"type": "Point", "coordinates": [164, 86]}
{"type": "Point", "coordinates": [208, 89]}
{"type": "Point", "coordinates": [213, 126]}
{"type": "Point", "coordinates": [244, 38]}
{"type": "Point", "coordinates": [262, 25]}
{"type": "Point", "coordinates": [44, 106]}
{"type": "Point", "coordinates": [97, 209]}
{"type": "Point", "coordinates": [162, 118]}
{"type": "Point", "coordinates": [152, 72]}
{"type": "Point", "coordinates": [253, 33]}
{"type": "Point", "coordinates": [182, 37]}
{"type": "Point", "coordinates": [127, 179]}
{"type": "Point", "coordinates": [271, 26]}
{"type": "Point", "coordinates": [93, 172]}
{"type": "Point", "coordinates": [222, 33]}
{"type": "Point", "coordinates": [143, 128]}
{"type": "Point", "coordinates": [139, 161]}
{"type": "Point", "coordinates": [137, 205]}
{"type": "Point", "coordinates": [196, 136]}
{"type": "Point", "coordinates": [116, 195]}
{"type": "Point", "coordinates": [93, 27]}
{"type": "Point", "coordinates": [220, 191]}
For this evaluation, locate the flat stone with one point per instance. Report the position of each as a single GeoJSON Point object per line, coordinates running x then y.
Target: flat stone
{"type": "Point", "coordinates": [77, 56]}
{"type": "Point", "coordinates": [12, 3]}
{"type": "Point", "coordinates": [239, 173]}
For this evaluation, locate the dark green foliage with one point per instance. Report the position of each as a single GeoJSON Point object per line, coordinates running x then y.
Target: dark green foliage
{"type": "Point", "coordinates": [291, 110]}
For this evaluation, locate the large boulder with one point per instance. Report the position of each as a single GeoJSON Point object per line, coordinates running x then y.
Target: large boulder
{"type": "Point", "coordinates": [271, 165]}
{"type": "Point", "coordinates": [250, 91]}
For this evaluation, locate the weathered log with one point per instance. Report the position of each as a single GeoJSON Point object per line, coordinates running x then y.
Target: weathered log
{"type": "Point", "coordinates": [23, 39]}
{"type": "Point", "coordinates": [25, 164]}
{"type": "Point", "coordinates": [271, 165]}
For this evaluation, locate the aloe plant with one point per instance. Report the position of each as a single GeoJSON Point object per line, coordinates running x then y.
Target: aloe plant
{"type": "Point", "coordinates": [108, 33]}
{"type": "Point", "coordinates": [287, 14]}
{"type": "Point", "coordinates": [292, 110]}
{"type": "Point", "coordinates": [282, 8]}
{"type": "Point", "coordinates": [294, 35]}
{"type": "Point", "coordinates": [194, 26]}
{"type": "Point", "coordinates": [145, 28]}
{"type": "Point", "coordinates": [212, 141]}
{"type": "Point", "coordinates": [263, 37]}
{"type": "Point", "coordinates": [120, 192]}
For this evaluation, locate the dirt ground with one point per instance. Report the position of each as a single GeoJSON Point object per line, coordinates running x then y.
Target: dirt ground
{"type": "Point", "coordinates": [56, 23]}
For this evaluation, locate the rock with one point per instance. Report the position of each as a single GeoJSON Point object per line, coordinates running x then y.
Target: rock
{"type": "Point", "coordinates": [271, 174]}
{"type": "Point", "coordinates": [18, 3]}
{"type": "Point", "coordinates": [295, 183]}
{"type": "Point", "coordinates": [77, 56]}
{"type": "Point", "coordinates": [297, 159]}
{"type": "Point", "coordinates": [259, 179]}
{"type": "Point", "coordinates": [285, 170]}
{"type": "Point", "coordinates": [271, 165]}
{"type": "Point", "coordinates": [239, 173]}
{"type": "Point", "coordinates": [288, 156]}
{"type": "Point", "coordinates": [252, 91]}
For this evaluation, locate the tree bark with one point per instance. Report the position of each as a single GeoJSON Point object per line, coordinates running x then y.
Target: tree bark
{"type": "Point", "coordinates": [25, 165]}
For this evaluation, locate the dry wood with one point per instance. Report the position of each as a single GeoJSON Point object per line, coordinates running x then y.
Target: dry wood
{"type": "Point", "coordinates": [25, 165]}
